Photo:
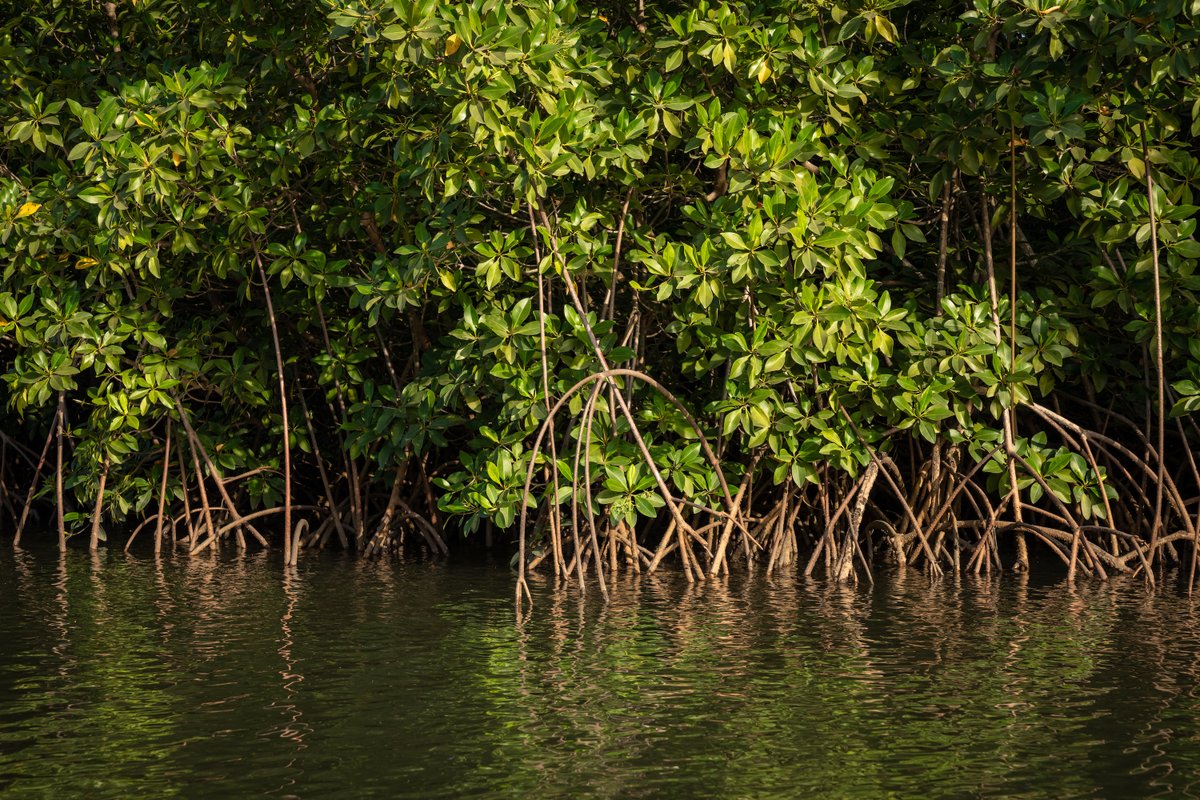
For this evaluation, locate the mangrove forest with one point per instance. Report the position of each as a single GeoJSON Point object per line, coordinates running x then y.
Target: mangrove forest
{"type": "Point", "coordinates": [613, 288]}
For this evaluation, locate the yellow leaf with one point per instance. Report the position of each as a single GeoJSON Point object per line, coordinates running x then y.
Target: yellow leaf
{"type": "Point", "coordinates": [764, 72]}
{"type": "Point", "coordinates": [886, 29]}
{"type": "Point", "coordinates": [28, 209]}
{"type": "Point", "coordinates": [453, 42]}
{"type": "Point", "coordinates": [176, 159]}
{"type": "Point", "coordinates": [729, 57]}
{"type": "Point", "coordinates": [85, 262]}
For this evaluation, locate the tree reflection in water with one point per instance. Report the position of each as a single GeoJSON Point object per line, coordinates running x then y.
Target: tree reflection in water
{"type": "Point", "coordinates": [122, 676]}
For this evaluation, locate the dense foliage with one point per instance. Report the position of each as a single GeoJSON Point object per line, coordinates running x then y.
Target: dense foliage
{"type": "Point", "coordinates": [919, 271]}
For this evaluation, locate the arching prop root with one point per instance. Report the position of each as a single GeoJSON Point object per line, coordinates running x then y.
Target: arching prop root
{"type": "Point", "coordinates": [583, 549]}
{"type": "Point", "coordinates": [947, 521]}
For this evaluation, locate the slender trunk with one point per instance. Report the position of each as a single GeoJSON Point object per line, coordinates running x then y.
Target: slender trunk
{"type": "Point", "coordinates": [208, 520]}
{"type": "Point", "coordinates": [610, 299]}
{"type": "Point", "coordinates": [1022, 548]}
{"type": "Point", "coordinates": [187, 503]}
{"type": "Point", "coordinates": [1007, 417]}
{"type": "Point", "coordinates": [944, 241]}
{"type": "Point", "coordinates": [846, 562]}
{"type": "Point", "coordinates": [1012, 260]}
{"type": "Point", "coordinates": [550, 472]}
{"type": "Point", "coordinates": [94, 542]}
{"type": "Point", "coordinates": [1158, 352]}
{"type": "Point", "coordinates": [288, 557]}
{"type": "Point", "coordinates": [58, 473]}
{"type": "Point", "coordinates": [162, 490]}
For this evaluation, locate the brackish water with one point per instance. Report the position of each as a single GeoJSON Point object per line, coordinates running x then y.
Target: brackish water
{"type": "Point", "coordinates": [121, 677]}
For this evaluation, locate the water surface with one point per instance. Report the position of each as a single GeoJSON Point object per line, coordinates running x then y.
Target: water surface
{"type": "Point", "coordinates": [122, 677]}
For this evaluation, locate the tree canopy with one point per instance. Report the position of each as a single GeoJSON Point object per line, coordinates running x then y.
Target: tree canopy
{"type": "Point", "coordinates": [928, 264]}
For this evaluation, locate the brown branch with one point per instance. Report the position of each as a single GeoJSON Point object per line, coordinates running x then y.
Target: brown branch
{"type": "Point", "coordinates": [1158, 351]}
{"type": "Point", "coordinates": [289, 556]}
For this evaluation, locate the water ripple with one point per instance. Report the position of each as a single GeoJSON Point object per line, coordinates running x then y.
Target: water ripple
{"type": "Point", "coordinates": [204, 678]}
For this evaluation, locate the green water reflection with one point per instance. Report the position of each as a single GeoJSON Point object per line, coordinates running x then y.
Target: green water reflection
{"type": "Point", "coordinates": [123, 677]}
